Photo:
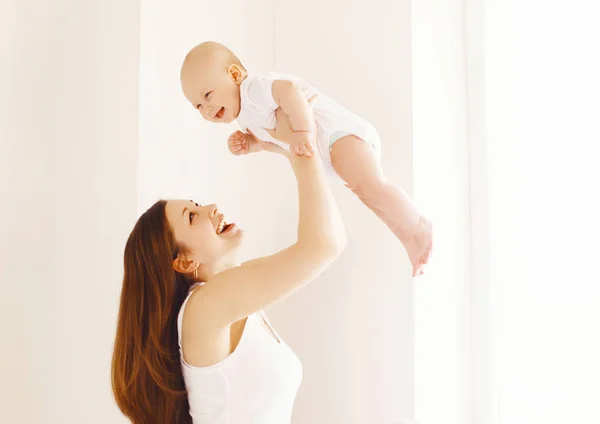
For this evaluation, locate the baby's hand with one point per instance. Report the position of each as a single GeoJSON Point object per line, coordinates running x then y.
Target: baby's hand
{"type": "Point", "coordinates": [240, 143]}
{"type": "Point", "coordinates": [237, 143]}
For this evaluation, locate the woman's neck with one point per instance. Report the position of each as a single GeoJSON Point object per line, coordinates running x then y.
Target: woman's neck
{"type": "Point", "coordinates": [207, 273]}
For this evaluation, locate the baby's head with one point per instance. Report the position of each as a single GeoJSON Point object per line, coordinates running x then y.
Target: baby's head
{"type": "Point", "coordinates": [210, 78]}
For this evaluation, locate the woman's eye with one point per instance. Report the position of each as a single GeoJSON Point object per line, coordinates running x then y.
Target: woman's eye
{"type": "Point", "coordinates": [192, 214]}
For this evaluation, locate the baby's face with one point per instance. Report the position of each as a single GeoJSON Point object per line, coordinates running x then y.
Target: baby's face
{"type": "Point", "coordinates": [213, 91]}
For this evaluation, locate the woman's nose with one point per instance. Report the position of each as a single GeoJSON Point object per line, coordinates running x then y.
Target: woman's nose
{"type": "Point", "coordinates": [212, 209]}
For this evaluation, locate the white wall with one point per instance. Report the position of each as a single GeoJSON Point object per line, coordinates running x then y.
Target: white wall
{"type": "Point", "coordinates": [68, 159]}
{"type": "Point", "coordinates": [352, 328]}
{"type": "Point", "coordinates": [441, 145]}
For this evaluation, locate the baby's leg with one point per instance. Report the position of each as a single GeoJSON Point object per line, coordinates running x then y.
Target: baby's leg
{"type": "Point", "coordinates": [356, 163]}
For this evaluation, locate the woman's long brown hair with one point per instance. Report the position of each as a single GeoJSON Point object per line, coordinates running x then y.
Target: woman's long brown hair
{"type": "Point", "coordinates": [147, 380]}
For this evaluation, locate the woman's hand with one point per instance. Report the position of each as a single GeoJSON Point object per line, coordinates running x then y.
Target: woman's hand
{"type": "Point", "coordinates": [283, 130]}
{"type": "Point", "coordinates": [272, 147]}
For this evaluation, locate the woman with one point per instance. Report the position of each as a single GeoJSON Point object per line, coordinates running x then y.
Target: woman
{"type": "Point", "coordinates": [192, 344]}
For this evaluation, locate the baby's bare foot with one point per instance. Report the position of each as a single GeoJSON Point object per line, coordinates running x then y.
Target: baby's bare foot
{"type": "Point", "coordinates": [418, 245]}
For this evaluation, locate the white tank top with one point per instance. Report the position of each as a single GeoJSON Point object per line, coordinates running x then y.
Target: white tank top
{"type": "Point", "coordinates": [256, 384]}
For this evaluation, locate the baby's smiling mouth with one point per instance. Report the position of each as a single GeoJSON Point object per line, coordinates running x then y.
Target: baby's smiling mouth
{"type": "Point", "coordinates": [220, 113]}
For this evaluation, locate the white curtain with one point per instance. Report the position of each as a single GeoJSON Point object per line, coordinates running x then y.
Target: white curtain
{"type": "Point", "coordinates": [541, 88]}
{"type": "Point", "coordinates": [506, 103]}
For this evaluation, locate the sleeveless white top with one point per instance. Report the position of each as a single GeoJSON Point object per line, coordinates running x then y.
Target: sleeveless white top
{"type": "Point", "coordinates": [256, 384]}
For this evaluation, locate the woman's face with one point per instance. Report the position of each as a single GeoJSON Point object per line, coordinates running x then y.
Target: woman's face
{"type": "Point", "coordinates": [211, 241]}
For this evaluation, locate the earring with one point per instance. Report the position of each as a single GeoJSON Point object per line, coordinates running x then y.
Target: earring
{"type": "Point", "coordinates": [196, 272]}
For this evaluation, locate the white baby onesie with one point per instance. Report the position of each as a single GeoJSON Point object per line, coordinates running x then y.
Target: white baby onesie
{"type": "Point", "coordinates": [333, 121]}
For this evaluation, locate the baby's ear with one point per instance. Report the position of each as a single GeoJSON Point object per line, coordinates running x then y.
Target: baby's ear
{"type": "Point", "coordinates": [237, 73]}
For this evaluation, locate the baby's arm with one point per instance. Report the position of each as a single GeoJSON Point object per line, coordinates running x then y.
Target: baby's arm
{"type": "Point", "coordinates": [292, 101]}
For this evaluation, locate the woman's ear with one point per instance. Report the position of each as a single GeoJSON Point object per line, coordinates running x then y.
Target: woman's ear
{"type": "Point", "coordinates": [184, 265]}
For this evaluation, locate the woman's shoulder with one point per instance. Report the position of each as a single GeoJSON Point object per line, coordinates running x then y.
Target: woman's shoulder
{"type": "Point", "coordinates": [198, 309]}
{"type": "Point", "coordinates": [190, 304]}
{"type": "Point", "coordinates": [204, 344]}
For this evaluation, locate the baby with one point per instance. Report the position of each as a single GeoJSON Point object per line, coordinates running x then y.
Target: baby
{"type": "Point", "coordinates": [216, 83]}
